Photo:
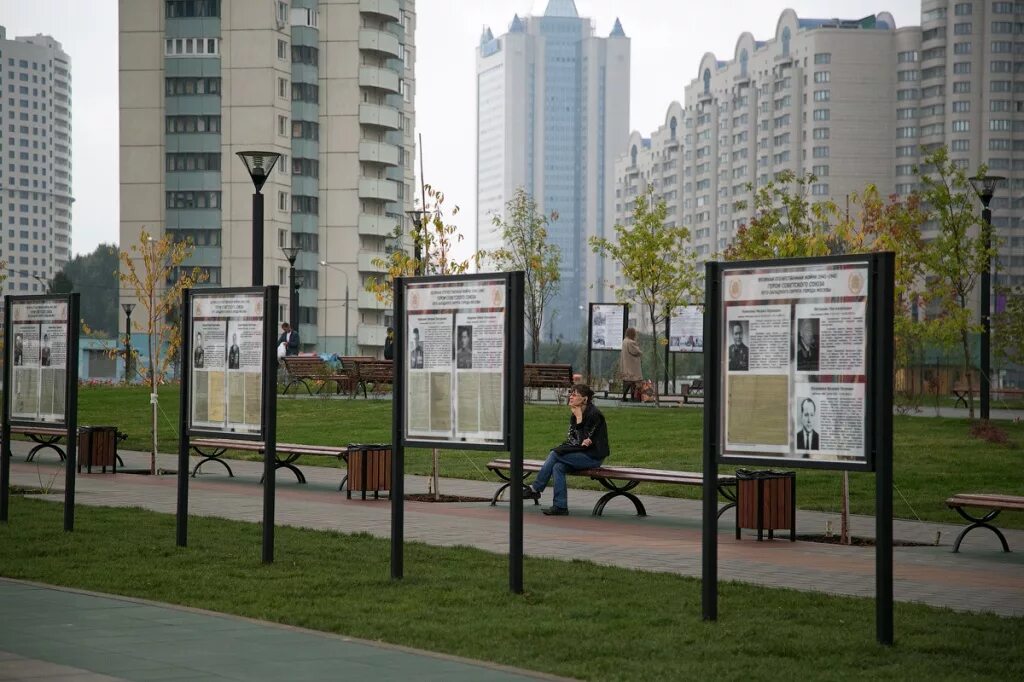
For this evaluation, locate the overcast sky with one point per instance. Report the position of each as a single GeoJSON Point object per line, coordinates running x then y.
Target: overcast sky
{"type": "Point", "coordinates": [668, 38]}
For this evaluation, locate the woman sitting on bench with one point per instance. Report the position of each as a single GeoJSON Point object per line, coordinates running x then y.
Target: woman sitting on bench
{"type": "Point", "coordinates": [585, 447]}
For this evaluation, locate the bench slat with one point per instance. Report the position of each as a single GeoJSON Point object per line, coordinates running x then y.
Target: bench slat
{"type": "Point", "coordinates": [988, 500]}
{"type": "Point", "coordinates": [626, 473]}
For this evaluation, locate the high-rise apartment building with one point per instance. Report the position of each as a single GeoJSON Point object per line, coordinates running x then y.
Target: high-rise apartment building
{"type": "Point", "coordinates": [851, 101]}
{"type": "Point", "coordinates": [328, 84]}
{"type": "Point", "coordinates": [35, 161]}
{"type": "Point", "coordinates": [552, 117]}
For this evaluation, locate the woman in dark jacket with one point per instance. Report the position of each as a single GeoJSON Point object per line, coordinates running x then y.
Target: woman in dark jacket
{"type": "Point", "coordinates": [585, 446]}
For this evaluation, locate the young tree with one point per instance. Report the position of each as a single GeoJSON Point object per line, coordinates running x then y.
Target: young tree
{"type": "Point", "coordinates": [435, 238]}
{"type": "Point", "coordinates": [153, 271]}
{"type": "Point", "coordinates": [525, 235]}
{"type": "Point", "coordinates": [1008, 326]}
{"type": "Point", "coordinates": [656, 261]}
{"type": "Point", "coordinates": [955, 257]}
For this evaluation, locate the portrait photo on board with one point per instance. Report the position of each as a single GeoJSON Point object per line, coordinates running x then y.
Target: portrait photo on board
{"type": "Point", "coordinates": [807, 329]}
{"type": "Point", "coordinates": [739, 353]}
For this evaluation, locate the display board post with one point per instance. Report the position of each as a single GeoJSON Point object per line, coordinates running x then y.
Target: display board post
{"type": "Point", "coordinates": [398, 410]}
{"type": "Point", "coordinates": [184, 441]}
{"type": "Point", "coordinates": [71, 419]}
{"type": "Point", "coordinates": [668, 320]}
{"type": "Point", "coordinates": [590, 338]}
{"type": "Point", "coordinates": [5, 423]}
{"type": "Point", "coordinates": [269, 422]}
{"type": "Point", "coordinates": [515, 343]}
{"type": "Point", "coordinates": [712, 416]}
{"type": "Point", "coordinates": [884, 276]}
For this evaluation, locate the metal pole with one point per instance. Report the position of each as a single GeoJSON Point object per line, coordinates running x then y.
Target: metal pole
{"type": "Point", "coordinates": [128, 347]}
{"type": "Point", "coordinates": [5, 423]}
{"type": "Point", "coordinates": [181, 523]}
{"type": "Point", "coordinates": [397, 449]}
{"type": "Point", "coordinates": [515, 428]}
{"type": "Point", "coordinates": [882, 437]}
{"type": "Point", "coordinates": [71, 391]}
{"type": "Point", "coordinates": [269, 424]}
{"type": "Point", "coordinates": [257, 239]}
{"type": "Point", "coordinates": [668, 340]}
{"type": "Point", "coordinates": [712, 373]}
{"type": "Point", "coordinates": [346, 314]}
{"type": "Point", "coordinates": [986, 314]}
{"type": "Point", "coordinates": [293, 298]}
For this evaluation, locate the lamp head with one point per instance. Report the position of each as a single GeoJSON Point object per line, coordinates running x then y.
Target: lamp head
{"type": "Point", "coordinates": [291, 253]}
{"type": "Point", "coordinates": [985, 187]}
{"type": "Point", "coordinates": [259, 165]}
{"type": "Point", "coordinates": [127, 308]}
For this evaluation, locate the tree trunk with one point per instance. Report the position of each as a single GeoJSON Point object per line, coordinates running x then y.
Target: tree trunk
{"type": "Point", "coordinates": [844, 522]}
{"type": "Point", "coordinates": [967, 369]}
{"type": "Point", "coordinates": [435, 473]}
{"type": "Point", "coordinates": [654, 345]}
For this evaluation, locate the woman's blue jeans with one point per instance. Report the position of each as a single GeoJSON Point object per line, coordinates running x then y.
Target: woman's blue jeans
{"type": "Point", "coordinates": [558, 465]}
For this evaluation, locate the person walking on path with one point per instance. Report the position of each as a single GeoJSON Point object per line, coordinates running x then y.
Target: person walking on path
{"type": "Point", "coordinates": [629, 363]}
{"type": "Point", "coordinates": [585, 446]}
{"type": "Point", "coordinates": [290, 339]}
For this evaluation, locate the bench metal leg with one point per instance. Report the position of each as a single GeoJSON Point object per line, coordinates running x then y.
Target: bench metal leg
{"type": "Point", "coordinates": [43, 443]}
{"type": "Point", "coordinates": [979, 523]}
{"type": "Point", "coordinates": [501, 488]}
{"type": "Point", "coordinates": [214, 456]}
{"type": "Point", "coordinates": [615, 491]}
{"type": "Point", "coordinates": [729, 493]}
{"type": "Point", "coordinates": [286, 463]}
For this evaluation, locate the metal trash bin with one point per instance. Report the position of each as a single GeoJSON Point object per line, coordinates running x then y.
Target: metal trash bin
{"type": "Point", "coordinates": [766, 500]}
{"type": "Point", "coordinates": [369, 469]}
{"type": "Point", "coordinates": [97, 446]}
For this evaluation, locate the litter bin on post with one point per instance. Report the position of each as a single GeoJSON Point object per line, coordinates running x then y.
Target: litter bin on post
{"type": "Point", "coordinates": [766, 500]}
{"type": "Point", "coordinates": [369, 469]}
{"type": "Point", "coordinates": [97, 446]}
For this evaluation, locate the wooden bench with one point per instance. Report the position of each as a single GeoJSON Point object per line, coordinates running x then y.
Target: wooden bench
{"type": "Point", "coordinates": [619, 481]}
{"type": "Point", "coordinates": [376, 373]}
{"type": "Point", "coordinates": [995, 503]}
{"type": "Point", "coordinates": [960, 392]}
{"type": "Point", "coordinates": [49, 437]}
{"type": "Point", "coordinates": [212, 449]}
{"type": "Point", "coordinates": [558, 377]}
{"type": "Point", "coordinates": [301, 369]}
{"type": "Point", "coordinates": [694, 391]}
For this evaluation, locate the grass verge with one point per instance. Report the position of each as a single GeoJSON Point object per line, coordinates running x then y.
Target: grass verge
{"type": "Point", "coordinates": [576, 619]}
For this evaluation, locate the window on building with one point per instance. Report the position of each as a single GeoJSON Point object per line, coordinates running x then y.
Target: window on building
{"type": "Point", "coordinates": [962, 29]}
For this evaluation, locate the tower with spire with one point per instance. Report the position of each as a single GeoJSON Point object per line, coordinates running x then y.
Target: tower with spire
{"type": "Point", "coordinates": [552, 116]}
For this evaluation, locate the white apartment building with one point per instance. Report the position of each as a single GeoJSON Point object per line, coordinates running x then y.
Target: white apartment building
{"type": "Point", "coordinates": [552, 117]}
{"type": "Point", "coordinates": [851, 101]}
{"type": "Point", "coordinates": [329, 85]}
{"type": "Point", "coordinates": [35, 161]}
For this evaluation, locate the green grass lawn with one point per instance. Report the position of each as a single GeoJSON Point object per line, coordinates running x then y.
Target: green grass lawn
{"type": "Point", "coordinates": [576, 618]}
{"type": "Point", "coordinates": [934, 458]}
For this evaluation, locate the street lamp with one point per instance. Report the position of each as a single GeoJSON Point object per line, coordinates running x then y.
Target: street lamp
{"type": "Point", "coordinates": [417, 215]}
{"type": "Point", "coordinates": [259, 165]}
{"type": "Point", "coordinates": [291, 253]}
{"type": "Point", "coordinates": [325, 264]}
{"type": "Point", "coordinates": [985, 187]}
{"type": "Point", "coordinates": [128, 308]}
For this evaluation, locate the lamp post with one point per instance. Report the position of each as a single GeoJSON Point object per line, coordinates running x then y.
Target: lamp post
{"type": "Point", "coordinates": [128, 308]}
{"type": "Point", "coordinates": [291, 253]}
{"type": "Point", "coordinates": [417, 215]}
{"type": "Point", "coordinates": [985, 187]}
{"type": "Point", "coordinates": [259, 165]}
{"type": "Point", "coordinates": [325, 264]}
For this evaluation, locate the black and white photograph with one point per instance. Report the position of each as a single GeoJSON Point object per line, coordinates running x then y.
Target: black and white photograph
{"type": "Point", "coordinates": [19, 349]}
{"type": "Point", "coordinates": [464, 354]}
{"type": "Point", "coordinates": [739, 352]}
{"type": "Point", "coordinates": [807, 434]}
{"type": "Point", "coordinates": [198, 353]}
{"type": "Point", "coordinates": [234, 353]}
{"type": "Point", "coordinates": [416, 352]}
{"type": "Point", "coordinates": [807, 344]}
{"type": "Point", "coordinates": [44, 352]}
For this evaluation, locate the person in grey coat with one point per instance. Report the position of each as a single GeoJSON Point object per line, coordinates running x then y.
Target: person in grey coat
{"type": "Point", "coordinates": [629, 362]}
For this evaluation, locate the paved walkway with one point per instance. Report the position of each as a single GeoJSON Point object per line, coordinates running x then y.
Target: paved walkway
{"type": "Point", "coordinates": [979, 578]}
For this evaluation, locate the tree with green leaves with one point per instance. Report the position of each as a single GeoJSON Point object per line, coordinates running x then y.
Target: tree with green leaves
{"type": "Point", "coordinates": [955, 257]}
{"type": "Point", "coordinates": [93, 275]}
{"type": "Point", "coordinates": [435, 238]}
{"type": "Point", "coordinates": [524, 233]}
{"type": "Point", "coordinates": [657, 263]}
{"type": "Point", "coordinates": [1008, 326]}
{"type": "Point", "coordinates": [153, 270]}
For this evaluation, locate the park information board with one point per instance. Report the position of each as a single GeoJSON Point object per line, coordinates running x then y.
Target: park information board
{"type": "Point", "coordinates": [456, 330]}
{"type": "Point", "coordinates": [607, 326]}
{"type": "Point", "coordinates": [686, 330]}
{"type": "Point", "coordinates": [39, 359]}
{"type": "Point", "coordinates": [794, 355]}
{"type": "Point", "coordinates": [226, 331]}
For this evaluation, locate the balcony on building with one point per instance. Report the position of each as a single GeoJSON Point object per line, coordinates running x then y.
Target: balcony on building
{"type": "Point", "coordinates": [380, 116]}
{"type": "Point", "coordinates": [378, 152]}
{"type": "Point", "coordinates": [383, 42]}
{"type": "Point", "coordinates": [378, 188]}
{"type": "Point", "coordinates": [376, 225]}
{"type": "Point", "coordinates": [379, 78]}
{"type": "Point", "coordinates": [383, 8]}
